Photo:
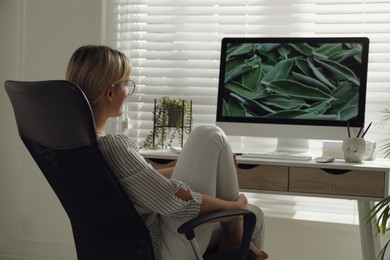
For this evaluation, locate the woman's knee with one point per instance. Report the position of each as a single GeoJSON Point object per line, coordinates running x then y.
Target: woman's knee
{"type": "Point", "coordinates": [210, 133]}
{"type": "Point", "coordinates": [207, 129]}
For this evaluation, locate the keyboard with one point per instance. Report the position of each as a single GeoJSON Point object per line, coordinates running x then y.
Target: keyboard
{"type": "Point", "coordinates": [278, 156]}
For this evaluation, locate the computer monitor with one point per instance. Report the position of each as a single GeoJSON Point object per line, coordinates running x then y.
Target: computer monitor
{"type": "Point", "coordinates": [293, 88]}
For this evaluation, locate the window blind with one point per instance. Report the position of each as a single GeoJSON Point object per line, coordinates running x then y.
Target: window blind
{"type": "Point", "coordinates": [175, 48]}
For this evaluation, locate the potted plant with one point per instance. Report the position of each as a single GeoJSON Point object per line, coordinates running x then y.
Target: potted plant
{"type": "Point", "coordinates": [172, 119]}
{"type": "Point", "coordinates": [379, 215]}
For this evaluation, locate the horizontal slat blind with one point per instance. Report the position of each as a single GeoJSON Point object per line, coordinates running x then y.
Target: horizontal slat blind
{"type": "Point", "coordinates": [175, 47]}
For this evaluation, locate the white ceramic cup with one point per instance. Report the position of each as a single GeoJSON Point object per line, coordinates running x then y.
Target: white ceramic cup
{"type": "Point", "coordinates": [370, 151]}
{"type": "Point", "coordinates": [354, 150]}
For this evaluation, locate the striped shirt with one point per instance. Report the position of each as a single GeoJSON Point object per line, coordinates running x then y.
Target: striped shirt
{"type": "Point", "coordinates": [152, 194]}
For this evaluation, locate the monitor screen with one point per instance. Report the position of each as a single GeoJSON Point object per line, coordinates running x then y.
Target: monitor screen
{"type": "Point", "coordinates": [298, 81]}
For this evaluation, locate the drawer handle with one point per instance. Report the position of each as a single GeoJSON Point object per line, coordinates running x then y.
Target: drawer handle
{"type": "Point", "coordinates": [335, 171]}
{"type": "Point", "coordinates": [161, 161]}
{"type": "Point", "coordinates": [247, 166]}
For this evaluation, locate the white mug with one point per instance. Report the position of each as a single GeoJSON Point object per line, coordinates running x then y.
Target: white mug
{"type": "Point", "coordinates": [370, 151]}
{"type": "Point", "coordinates": [357, 149]}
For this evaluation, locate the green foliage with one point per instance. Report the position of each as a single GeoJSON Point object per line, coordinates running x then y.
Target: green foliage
{"type": "Point", "coordinates": [385, 120]}
{"type": "Point", "coordinates": [172, 118]}
{"type": "Point", "coordinates": [320, 81]}
{"type": "Point", "coordinates": [379, 216]}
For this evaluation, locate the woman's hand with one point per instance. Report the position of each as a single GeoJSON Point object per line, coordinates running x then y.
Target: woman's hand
{"type": "Point", "coordinates": [211, 203]}
{"type": "Point", "coordinates": [235, 160]}
{"type": "Point", "coordinates": [242, 201]}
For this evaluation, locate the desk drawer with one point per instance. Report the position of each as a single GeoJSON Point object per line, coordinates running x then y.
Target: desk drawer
{"type": "Point", "coordinates": [337, 182]}
{"type": "Point", "coordinates": [263, 177]}
{"type": "Point", "coordinates": [161, 163]}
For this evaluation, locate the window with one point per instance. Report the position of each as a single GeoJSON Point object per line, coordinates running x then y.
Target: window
{"type": "Point", "coordinates": [174, 47]}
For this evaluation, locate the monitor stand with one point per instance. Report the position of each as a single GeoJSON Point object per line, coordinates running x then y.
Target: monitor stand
{"type": "Point", "coordinates": [292, 146]}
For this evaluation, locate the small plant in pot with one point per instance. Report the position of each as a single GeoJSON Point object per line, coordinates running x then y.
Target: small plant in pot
{"type": "Point", "coordinates": [172, 119]}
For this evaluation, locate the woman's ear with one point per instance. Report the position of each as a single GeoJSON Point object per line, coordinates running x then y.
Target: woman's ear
{"type": "Point", "coordinates": [108, 94]}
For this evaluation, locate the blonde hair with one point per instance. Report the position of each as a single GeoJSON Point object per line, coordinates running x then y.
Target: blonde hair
{"type": "Point", "coordinates": [94, 67]}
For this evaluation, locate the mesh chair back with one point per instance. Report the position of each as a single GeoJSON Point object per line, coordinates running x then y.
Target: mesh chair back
{"type": "Point", "coordinates": [55, 123]}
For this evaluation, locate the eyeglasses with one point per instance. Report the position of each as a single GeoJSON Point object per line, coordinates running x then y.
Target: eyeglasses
{"type": "Point", "coordinates": [129, 85]}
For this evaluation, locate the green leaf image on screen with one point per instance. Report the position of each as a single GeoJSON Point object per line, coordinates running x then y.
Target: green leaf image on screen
{"type": "Point", "coordinates": [294, 80]}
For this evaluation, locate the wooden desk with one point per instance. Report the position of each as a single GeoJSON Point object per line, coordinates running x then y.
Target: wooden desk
{"type": "Point", "coordinates": [365, 182]}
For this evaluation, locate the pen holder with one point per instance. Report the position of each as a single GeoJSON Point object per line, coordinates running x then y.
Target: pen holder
{"type": "Point", "coordinates": [354, 150]}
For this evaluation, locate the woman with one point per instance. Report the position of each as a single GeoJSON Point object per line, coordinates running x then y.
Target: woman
{"type": "Point", "coordinates": [203, 180]}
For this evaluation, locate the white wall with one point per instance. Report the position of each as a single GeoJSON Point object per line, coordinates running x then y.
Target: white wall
{"type": "Point", "coordinates": [37, 38]}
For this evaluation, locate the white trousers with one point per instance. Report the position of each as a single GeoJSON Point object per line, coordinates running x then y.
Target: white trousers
{"type": "Point", "coordinates": [206, 164]}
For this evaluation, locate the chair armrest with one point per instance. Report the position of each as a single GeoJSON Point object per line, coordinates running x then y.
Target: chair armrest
{"type": "Point", "coordinates": [188, 227]}
{"type": "Point", "coordinates": [249, 223]}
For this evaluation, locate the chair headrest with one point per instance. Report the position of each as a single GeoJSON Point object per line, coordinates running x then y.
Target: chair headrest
{"type": "Point", "coordinates": [54, 113]}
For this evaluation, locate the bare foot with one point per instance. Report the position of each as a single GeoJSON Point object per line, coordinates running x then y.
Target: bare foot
{"type": "Point", "coordinates": [260, 255]}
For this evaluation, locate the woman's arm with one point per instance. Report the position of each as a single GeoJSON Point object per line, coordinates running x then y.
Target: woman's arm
{"type": "Point", "coordinates": [211, 203]}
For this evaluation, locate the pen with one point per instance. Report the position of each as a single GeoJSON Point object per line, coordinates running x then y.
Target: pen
{"type": "Point", "coordinates": [366, 130]}
{"type": "Point", "coordinates": [349, 131]}
{"type": "Point", "coordinates": [361, 128]}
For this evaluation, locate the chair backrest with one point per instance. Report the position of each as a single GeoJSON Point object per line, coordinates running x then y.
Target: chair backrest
{"type": "Point", "coordinates": [56, 124]}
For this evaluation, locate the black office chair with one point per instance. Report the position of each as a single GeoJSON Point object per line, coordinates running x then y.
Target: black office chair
{"type": "Point", "coordinates": [56, 124]}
